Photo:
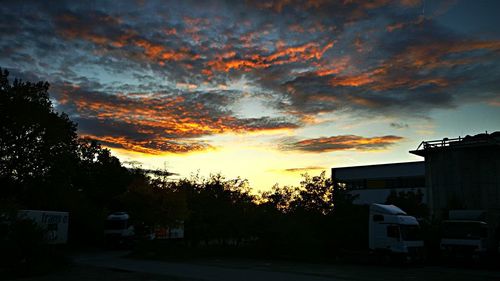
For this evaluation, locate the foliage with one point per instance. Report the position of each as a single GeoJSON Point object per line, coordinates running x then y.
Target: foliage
{"type": "Point", "coordinates": [319, 195]}
{"type": "Point", "coordinates": [316, 218]}
{"type": "Point", "coordinates": [316, 195]}
{"type": "Point", "coordinates": [410, 201]}
{"type": "Point", "coordinates": [279, 198]}
{"type": "Point", "coordinates": [37, 144]}
{"type": "Point", "coordinates": [152, 202]}
{"type": "Point", "coordinates": [101, 177]}
{"type": "Point", "coordinates": [220, 210]}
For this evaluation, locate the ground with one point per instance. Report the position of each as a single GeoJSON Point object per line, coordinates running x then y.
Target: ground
{"type": "Point", "coordinates": [91, 273]}
{"type": "Point", "coordinates": [113, 266]}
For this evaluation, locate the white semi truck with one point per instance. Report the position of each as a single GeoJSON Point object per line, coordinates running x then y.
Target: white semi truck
{"type": "Point", "coordinates": [393, 232]}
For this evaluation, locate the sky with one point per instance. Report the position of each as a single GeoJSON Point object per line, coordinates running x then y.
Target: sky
{"type": "Point", "coordinates": [262, 90]}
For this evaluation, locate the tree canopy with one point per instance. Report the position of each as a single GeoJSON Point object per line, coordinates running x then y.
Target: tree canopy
{"type": "Point", "coordinates": [37, 145]}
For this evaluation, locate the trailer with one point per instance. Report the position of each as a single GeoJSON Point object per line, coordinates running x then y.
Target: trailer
{"type": "Point", "coordinates": [54, 224]}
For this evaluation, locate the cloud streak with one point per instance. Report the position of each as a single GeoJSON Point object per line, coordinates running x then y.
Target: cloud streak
{"type": "Point", "coordinates": [340, 143]}
{"type": "Point", "coordinates": [304, 169]}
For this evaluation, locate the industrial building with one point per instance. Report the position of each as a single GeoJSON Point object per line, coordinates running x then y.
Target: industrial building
{"type": "Point", "coordinates": [460, 173]}
{"type": "Point", "coordinates": [373, 183]}
{"type": "Point", "coordinates": [456, 174]}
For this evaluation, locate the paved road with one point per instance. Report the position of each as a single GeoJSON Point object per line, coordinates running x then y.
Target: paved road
{"type": "Point", "coordinates": [251, 270]}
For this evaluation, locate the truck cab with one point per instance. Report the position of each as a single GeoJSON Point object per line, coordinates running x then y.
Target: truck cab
{"type": "Point", "coordinates": [118, 229]}
{"type": "Point", "coordinates": [392, 231]}
{"type": "Point", "coordinates": [465, 234]}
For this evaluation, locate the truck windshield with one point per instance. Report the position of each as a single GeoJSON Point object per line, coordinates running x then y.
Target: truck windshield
{"type": "Point", "coordinates": [116, 224]}
{"type": "Point", "coordinates": [464, 230]}
{"type": "Point", "coordinates": [410, 232]}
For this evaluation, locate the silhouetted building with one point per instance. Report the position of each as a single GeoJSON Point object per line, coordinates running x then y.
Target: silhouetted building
{"type": "Point", "coordinates": [457, 174]}
{"type": "Point", "coordinates": [374, 183]}
{"type": "Point", "coordinates": [463, 173]}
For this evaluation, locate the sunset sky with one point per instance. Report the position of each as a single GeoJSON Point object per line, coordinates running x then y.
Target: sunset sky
{"type": "Point", "coordinates": [265, 90]}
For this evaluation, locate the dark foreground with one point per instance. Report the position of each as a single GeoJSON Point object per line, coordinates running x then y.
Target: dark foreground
{"type": "Point", "coordinates": [91, 273]}
{"type": "Point", "coordinates": [112, 266]}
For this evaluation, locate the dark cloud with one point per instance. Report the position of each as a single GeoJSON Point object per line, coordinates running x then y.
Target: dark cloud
{"type": "Point", "coordinates": [304, 169]}
{"type": "Point", "coordinates": [422, 69]}
{"type": "Point", "coordinates": [157, 70]}
{"type": "Point", "coordinates": [399, 125]}
{"type": "Point", "coordinates": [339, 143]}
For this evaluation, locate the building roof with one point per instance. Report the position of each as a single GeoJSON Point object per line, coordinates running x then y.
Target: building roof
{"type": "Point", "coordinates": [402, 169]}
{"type": "Point", "coordinates": [479, 140]}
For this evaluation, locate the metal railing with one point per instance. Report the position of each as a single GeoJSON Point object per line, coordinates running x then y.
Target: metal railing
{"type": "Point", "coordinates": [466, 141]}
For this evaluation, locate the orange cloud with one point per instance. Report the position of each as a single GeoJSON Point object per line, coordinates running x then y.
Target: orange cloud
{"type": "Point", "coordinates": [356, 80]}
{"type": "Point", "coordinates": [75, 28]}
{"type": "Point", "coordinates": [334, 67]}
{"type": "Point", "coordinates": [174, 120]}
{"type": "Point", "coordinates": [186, 86]}
{"type": "Point", "coordinates": [170, 31]}
{"type": "Point", "coordinates": [72, 27]}
{"type": "Point", "coordinates": [400, 25]}
{"type": "Point", "coordinates": [281, 56]}
{"type": "Point", "coordinates": [159, 53]}
{"type": "Point", "coordinates": [193, 26]}
{"type": "Point", "coordinates": [342, 142]}
{"type": "Point", "coordinates": [151, 146]}
{"type": "Point", "coordinates": [394, 26]}
{"type": "Point", "coordinates": [402, 69]}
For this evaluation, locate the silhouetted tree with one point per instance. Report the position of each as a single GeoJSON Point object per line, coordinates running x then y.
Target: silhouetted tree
{"type": "Point", "coordinates": [101, 176]}
{"type": "Point", "coordinates": [319, 195]}
{"type": "Point", "coordinates": [37, 144]}
{"type": "Point", "coordinates": [219, 210]}
{"type": "Point", "coordinates": [153, 202]}
{"type": "Point", "coordinates": [279, 198]}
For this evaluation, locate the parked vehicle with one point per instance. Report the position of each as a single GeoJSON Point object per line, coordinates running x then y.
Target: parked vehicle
{"type": "Point", "coordinates": [465, 234]}
{"type": "Point", "coordinates": [118, 229]}
{"type": "Point", "coordinates": [176, 232]}
{"type": "Point", "coordinates": [392, 232]}
{"type": "Point", "coordinates": [55, 224]}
